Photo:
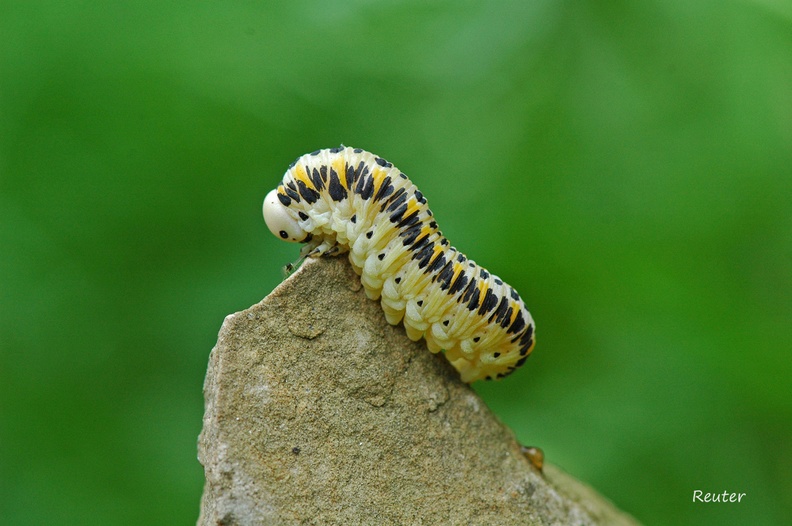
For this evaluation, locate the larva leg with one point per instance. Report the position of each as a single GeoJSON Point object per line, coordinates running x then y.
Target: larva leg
{"type": "Point", "coordinates": [314, 249]}
{"type": "Point", "coordinates": [335, 250]}
{"type": "Point", "coordinates": [319, 248]}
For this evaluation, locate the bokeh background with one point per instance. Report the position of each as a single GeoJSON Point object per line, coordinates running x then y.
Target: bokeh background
{"type": "Point", "coordinates": [627, 166]}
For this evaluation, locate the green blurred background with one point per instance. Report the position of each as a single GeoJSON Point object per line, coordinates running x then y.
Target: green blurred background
{"type": "Point", "coordinates": [627, 166]}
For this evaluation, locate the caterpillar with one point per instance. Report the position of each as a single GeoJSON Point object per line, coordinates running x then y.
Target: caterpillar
{"type": "Point", "coordinates": [345, 199]}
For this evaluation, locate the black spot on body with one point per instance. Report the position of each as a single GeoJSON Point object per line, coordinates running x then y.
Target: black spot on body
{"type": "Point", "coordinates": [337, 150]}
{"type": "Point", "coordinates": [316, 179]}
{"type": "Point", "coordinates": [437, 263]}
{"type": "Point", "coordinates": [361, 175]}
{"type": "Point", "coordinates": [517, 325]}
{"type": "Point", "coordinates": [473, 285]}
{"type": "Point", "coordinates": [527, 335]}
{"type": "Point", "coordinates": [390, 200]}
{"type": "Point", "coordinates": [419, 246]}
{"type": "Point", "coordinates": [316, 152]}
{"type": "Point", "coordinates": [284, 199]}
{"type": "Point", "coordinates": [398, 213]}
{"type": "Point", "coordinates": [368, 188]}
{"type": "Point", "coordinates": [443, 277]}
{"type": "Point", "coordinates": [335, 189]}
{"type": "Point", "coordinates": [396, 201]}
{"type": "Point", "coordinates": [385, 189]}
{"type": "Point", "coordinates": [350, 176]}
{"type": "Point", "coordinates": [381, 257]}
{"type": "Point", "coordinates": [425, 254]}
{"type": "Point", "coordinates": [369, 234]}
{"type": "Point", "coordinates": [302, 215]}
{"type": "Point", "coordinates": [500, 312]}
{"type": "Point", "coordinates": [309, 194]}
{"type": "Point", "coordinates": [410, 235]}
{"type": "Point", "coordinates": [409, 220]}
{"type": "Point", "coordinates": [292, 193]}
{"type": "Point", "coordinates": [489, 302]}
{"type": "Point", "coordinates": [353, 218]}
{"type": "Point", "coordinates": [382, 162]}
{"type": "Point", "coordinates": [397, 280]}
{"type": "Point", "coordinates": [474, 300]}
{"type": "Point", "coordinates": [357, 150]}
{"type": "Point", "coordinates": [459, 283]}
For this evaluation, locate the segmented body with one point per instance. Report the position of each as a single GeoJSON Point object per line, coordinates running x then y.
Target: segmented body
{"type": "Point", "coordinates": [346, 199]}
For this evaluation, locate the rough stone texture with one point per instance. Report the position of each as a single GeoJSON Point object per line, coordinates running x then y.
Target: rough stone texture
{"type": "Point", "coordinates": [319, 412]}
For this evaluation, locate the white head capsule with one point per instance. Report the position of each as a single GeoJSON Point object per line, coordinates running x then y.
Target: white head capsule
{"type": "Point", "coordinates": [279, 221]}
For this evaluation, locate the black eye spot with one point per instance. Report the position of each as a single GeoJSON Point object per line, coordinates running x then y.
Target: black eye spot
{"type": "Point", "coordinates": [283, 234]}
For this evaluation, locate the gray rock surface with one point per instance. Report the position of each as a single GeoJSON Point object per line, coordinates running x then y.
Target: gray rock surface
{"type": "Point", "coordinates": [319, 412]}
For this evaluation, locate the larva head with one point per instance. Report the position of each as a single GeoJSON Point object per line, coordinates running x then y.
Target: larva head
{"type": "Point", "coordinates": [279, 221]}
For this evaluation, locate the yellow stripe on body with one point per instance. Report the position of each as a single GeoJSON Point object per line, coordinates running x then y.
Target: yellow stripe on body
{"type": "Point", "coordinates": [412, 206]}
{"type": "Point", "coordinates": [302, 175]}
{"type": "Point", "coordinates": [377, 176]}
{"type": "Point", "coordinates": [482, 286]}
{"type": "Point", "coordinates": [515, 311]}
{"type": "Point", "coordinates": [339, 165]}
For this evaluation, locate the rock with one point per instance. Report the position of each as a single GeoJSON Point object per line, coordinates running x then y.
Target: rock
{"type": "Point", "coordinates": [319, 412]}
